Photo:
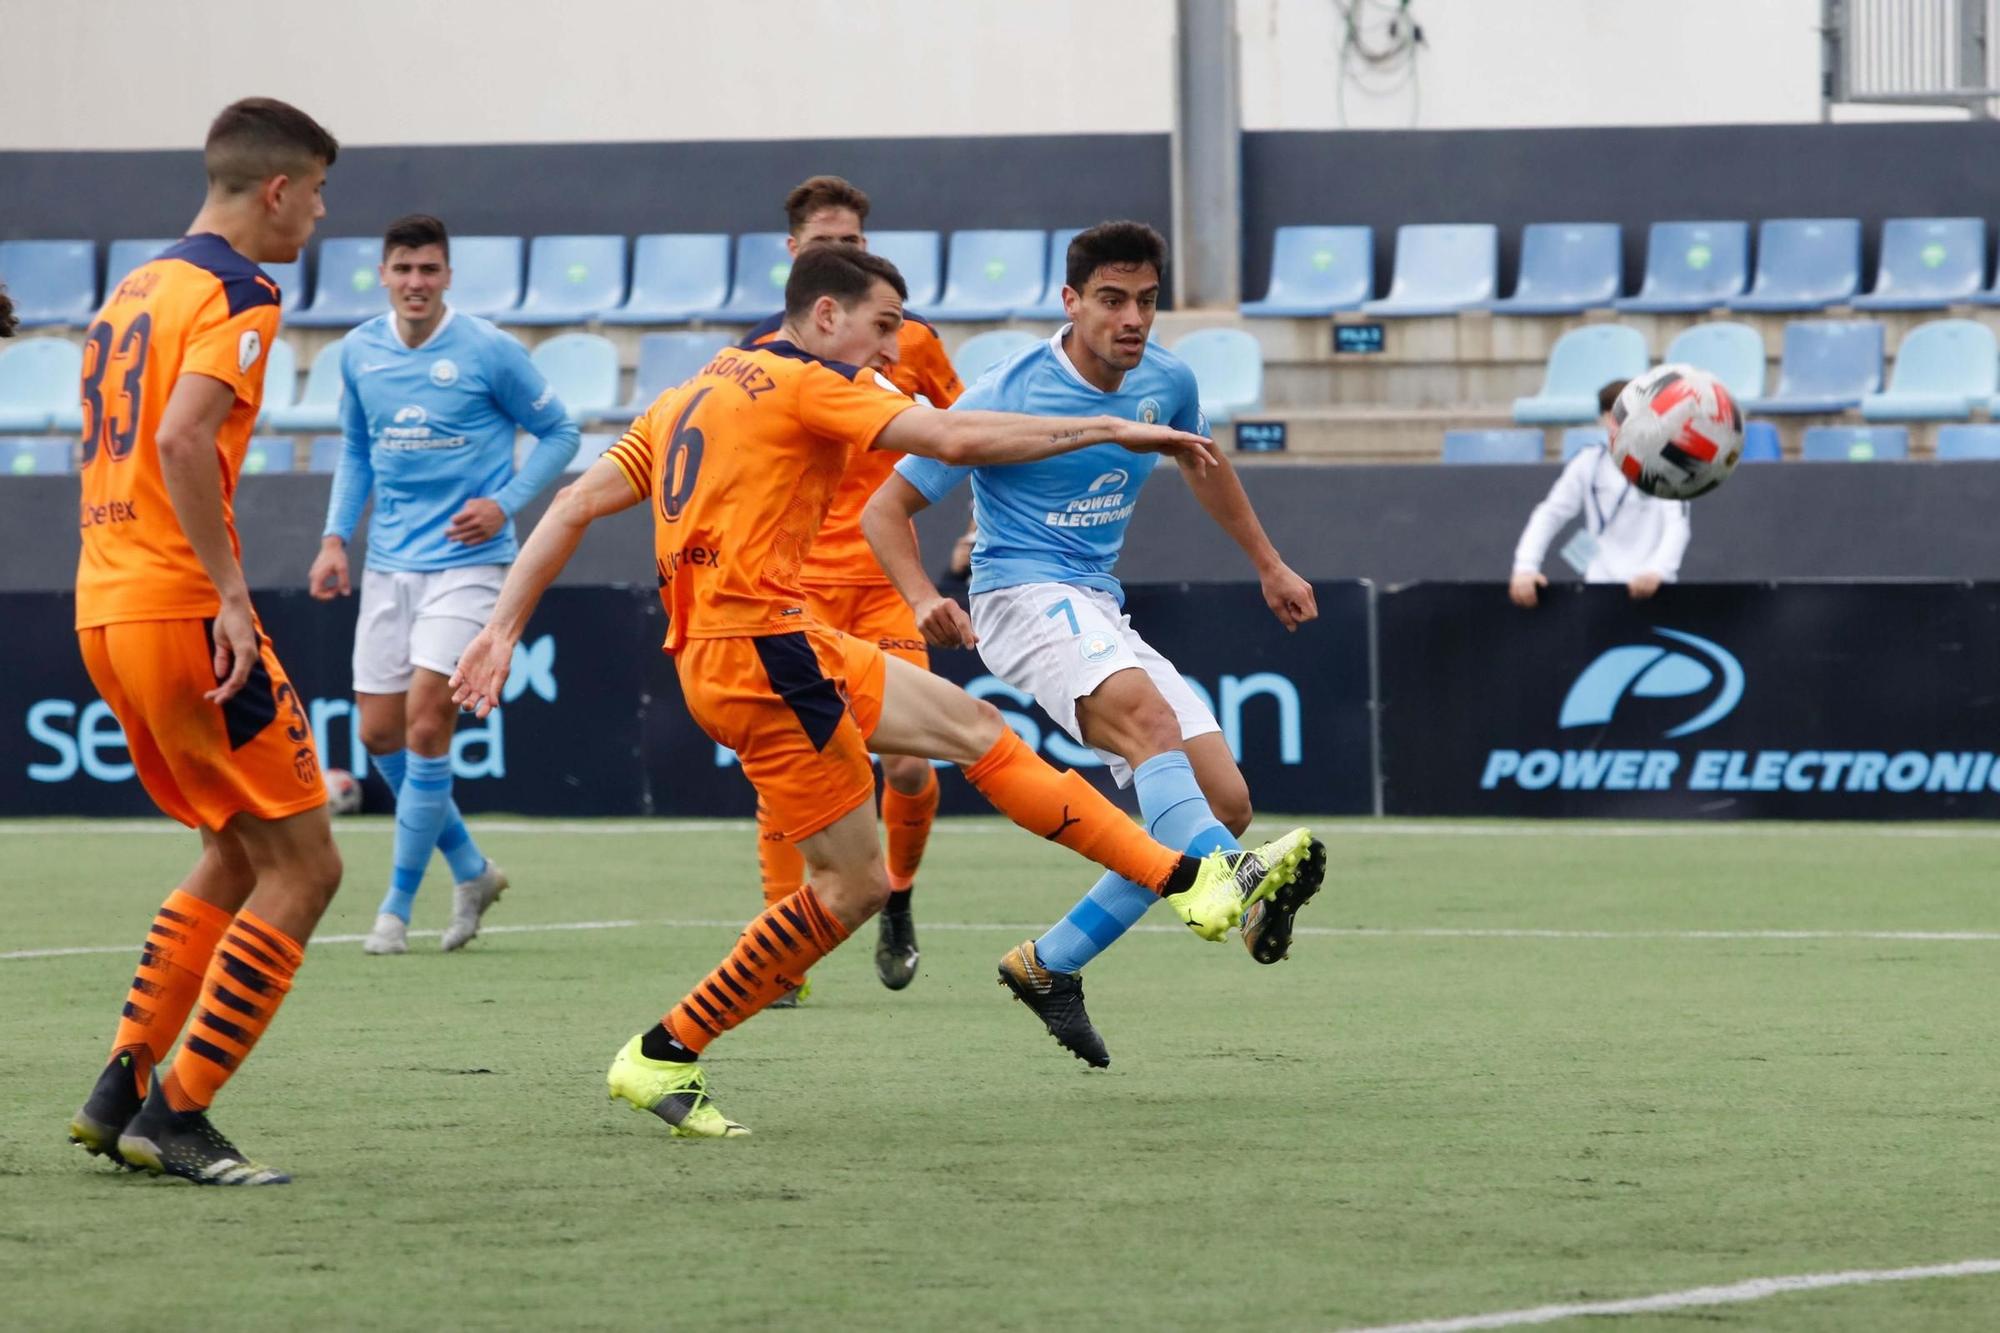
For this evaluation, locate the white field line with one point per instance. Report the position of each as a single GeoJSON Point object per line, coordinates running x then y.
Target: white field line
{"type": "Point", "coordinates": [1022, 927]}
{"type": "Point", "coordinates": [1736, 1293]}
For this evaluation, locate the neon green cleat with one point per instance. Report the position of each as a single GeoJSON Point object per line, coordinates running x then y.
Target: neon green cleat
{"type": "Point", "coordinates": [1230, 882]}
{"type": "Point", "coordinates": [674, 1091]}
{"type": "Point", "coordinates": [794, 998]}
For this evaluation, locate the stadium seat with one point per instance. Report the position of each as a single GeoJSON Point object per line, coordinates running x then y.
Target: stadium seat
{"type": "Point", "coordinates": [121, 257]}
{"type": "Point", "coordinates": [757, 288]}
{"type": "Point", "coordinates": [666, 359]}
{"type": "Point", "coordinates": [571, 278]}
{"type": "Point", "coordinates": [1856, 444]}
{"type": "Point", "coordinates": [38, 379]}
{"type": "Point", "coordinates": [52, 282]}
{"type": "Point", "coordinates": [1943, 370]}
{"type": "Point", "coordinates": [1228, 365]}
{"type": "Point", "coordinates": [485, 275]}
{"type": "Point", "coordinates": [1582, 362]}
{"type": "Point", "coordinates": [589, 448]}
{"type": "Point", "coordinates": [1316, 271]}
{"type": "Point", "coordinates": [281, 379]}
{"type": "Point", "coordinates": [674, 278]}
{"type": "Point", "coordinates": [991, 274]}
{"type": "Point", "coordinates": [1829, 365]}
{"type": "Point", "coordinates": [346, 286]}
{"type": "Point", "coordinates": [1967, 443]}
{"type": "Point", "coordinates": [268, 453]}
{"type": "Point", "coordinates": [1050, 305]}
{"type": "Point", "coordinates": [583, 370]}
{"type": "Point", "coordinates": [318, 407]}
{"type": "Point", "coordinates": [1578, 438]}
{"type": "Point", "coordinates": [1493, 446]}
{"type": "Point", "coordinates": [1691, 266]}
{"type": "Point", "coordinates": [1441, 270]}
{"type": "Point", "coordinates": [1566, 267]}
{"type": "Point", "coordinates": [1804, 264]}
{"type": "Point", "coordinates": [323, 454]}
{"type": "Point", "coordinates": [35, 455]}
{"type": "Point", "coordinates": [915, 255]}
{"type": "Point", "coordinates": [983, 351]}
{"type": "Point", "coordinates": [1733, 353]}
{"type": "Point", "coordinates": [1927, 264]}
{"type": "Point", "coordinates": [1760, 443]}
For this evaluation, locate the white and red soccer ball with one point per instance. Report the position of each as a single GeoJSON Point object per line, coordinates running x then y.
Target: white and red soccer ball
{"type": "Point", "coordinates": [1676, 432]}
{"type": "Point", "coordinates": [343, 792]}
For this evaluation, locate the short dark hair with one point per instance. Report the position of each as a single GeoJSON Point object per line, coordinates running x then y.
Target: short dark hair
{"type": "Point", "coordinates": [847, 273]}
{"type": "Point", "coordinates": [1608, 395]}
{"type": "Point", "coordinates": [414, 232]}
{"type": "Point", "coordinates": [810, 196]}
{"type": "Point", "coordinates": [7, 322]}
{"type": "Point", "coordinates": [1121, 244]}
{"type": "Point", "coordinates": [261, 137]}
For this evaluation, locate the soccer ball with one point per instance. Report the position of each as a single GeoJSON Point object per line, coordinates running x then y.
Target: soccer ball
{"type": "Point", "coordinates": [1676, 433]}
{"type": "Point", "coordinates": [343, 792]}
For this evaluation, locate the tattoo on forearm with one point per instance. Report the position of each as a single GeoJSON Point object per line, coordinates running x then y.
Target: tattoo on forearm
{"type": "Point", "coordinates": [1067, 437]}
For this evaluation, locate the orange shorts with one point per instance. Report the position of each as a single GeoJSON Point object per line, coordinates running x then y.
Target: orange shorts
{"type": "Point", "coordinates": [872, 611]}
{"type": "Point", "coordinates": [797, 708]}
{"type": "Point", "coordinates": [204, 763]}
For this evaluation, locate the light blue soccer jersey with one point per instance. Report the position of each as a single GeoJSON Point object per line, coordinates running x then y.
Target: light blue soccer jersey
{"type": "Point", "coordinates": [1063, 519]}
{"type": "Point", "coordinates": [428, 428]}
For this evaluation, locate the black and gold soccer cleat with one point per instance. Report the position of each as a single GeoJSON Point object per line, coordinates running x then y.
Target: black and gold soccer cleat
{"type": "Point", "coordinates": [1057, 999]}
{"type": "Point", "coordinates": [111, 1105]}
{"type": "Point", "coordinates": [896, 949]}
{"type": "Point", "coordinates": [184, 1143]}
{"type": "Point", "coordinates": [1267, 924]}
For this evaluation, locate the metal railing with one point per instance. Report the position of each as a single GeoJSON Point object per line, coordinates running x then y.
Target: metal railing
{"type": "Point", "coordinates": [1911, 53]}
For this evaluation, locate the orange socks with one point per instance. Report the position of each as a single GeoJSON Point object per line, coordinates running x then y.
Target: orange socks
{"type": "Point", "coordinates": [182, 939]}
{"type": "Point", "coordinates": [908, 819]}
{"type": "Point", "coordinates": [1063, 808]}
{"type": "Point", "coordinates": [778, 860]}
{"type": "Point", "coordinates": [246, 982]}
{"type": "Point", "coordinates": [770, 959]}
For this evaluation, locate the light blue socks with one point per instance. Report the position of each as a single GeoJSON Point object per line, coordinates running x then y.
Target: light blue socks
{"type": "Point", "coordinates": [426, 817]}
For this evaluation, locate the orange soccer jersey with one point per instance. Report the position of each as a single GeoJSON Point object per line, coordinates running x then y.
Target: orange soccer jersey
{"type": "Point", "coordinates": [202, 309]}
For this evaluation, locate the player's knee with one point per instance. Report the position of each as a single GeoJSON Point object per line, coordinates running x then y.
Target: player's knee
{"type": "Point", "coordinates": [1232, 810]}
{"type": "Point", "coordinates": [983, 725]}
{"type": "Point", "coordinates": [906, 773]}
{"type": "Point", "coordinates": [428, 736]}
{"type": "Point", "coordinates": [855, 895]}
{"type": "Point", "coordinates": [379, 737]}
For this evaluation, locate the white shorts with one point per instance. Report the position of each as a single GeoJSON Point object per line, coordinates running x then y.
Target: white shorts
{"type": "Point", "coordinates": [411, 620]}
{"type": "Point", "coordinates": [1059, 642]}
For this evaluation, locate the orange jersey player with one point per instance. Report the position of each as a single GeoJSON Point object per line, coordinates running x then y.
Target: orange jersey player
{"type": "Point", "coordinates": [173, 374]}
{"type": "Point", "coordinates": [846, 588]}
{"type": "Point", "coordinates": [739, 465]}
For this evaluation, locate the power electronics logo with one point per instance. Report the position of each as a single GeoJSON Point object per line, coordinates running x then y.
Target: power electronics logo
{"type": "Point", "coordinates": [1653, 671]}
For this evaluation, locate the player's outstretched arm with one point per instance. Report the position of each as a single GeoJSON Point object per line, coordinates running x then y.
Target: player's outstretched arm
{"type": "Point", "coordinates": [992, 439]}
{"type": "Point", "coordinates": [1221, 493]}
{"type": "Point", "coordinates": [186, 440]}
{"type": "Point", "coordinates": [482, 667]}
{"type": "Point", "coordinates": [885, 522]}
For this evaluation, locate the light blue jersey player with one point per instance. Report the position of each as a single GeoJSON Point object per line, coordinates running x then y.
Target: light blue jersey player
{"type": "Point", "coordinates": [1047, 609]}
{"type": "Point", "coordinates": [430, 403]}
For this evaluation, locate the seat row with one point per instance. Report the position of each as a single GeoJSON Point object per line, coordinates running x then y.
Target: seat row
{"type": "Point", "coordinates": [1821, 444]}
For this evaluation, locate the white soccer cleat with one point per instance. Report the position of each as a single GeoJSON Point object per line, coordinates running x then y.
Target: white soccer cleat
{"type": "Point", "coordinates": [391, 935]}
{"type": "Point", "coordinates": [469, 902]}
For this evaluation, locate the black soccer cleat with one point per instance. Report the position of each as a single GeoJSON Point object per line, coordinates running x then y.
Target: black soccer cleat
{"type": "Point", "coordinates": [896, 949]}
{"type": "Point", "coordinates": [1267, 925]}
{"type": "Point", "coordinates": [184, 1143]}
{"type": "Point", "coordinates": [111, 1105]}
{"type": "Point", "coordinates": [1057, 999]}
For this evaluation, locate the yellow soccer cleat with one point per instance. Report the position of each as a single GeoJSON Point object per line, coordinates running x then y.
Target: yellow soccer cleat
{"type": "Point", "coordinates": [673, 1090]}
{"type": "Point", "coordinates": [1230, 882]}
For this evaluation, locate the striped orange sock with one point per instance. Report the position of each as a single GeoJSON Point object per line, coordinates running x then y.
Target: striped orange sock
{"type": "Point", "coordinates": [770, 959]}
{"type": "Point", "coordinates": [908, 819]}
{"type": "Point", "coordinates": [1063, 808]}
{"type": "Point", "coordinates": [247, 980]}
{"type": "Point", "coordinates": [778, 860]}
{"type": "Point", "coordinates": [178, 947]}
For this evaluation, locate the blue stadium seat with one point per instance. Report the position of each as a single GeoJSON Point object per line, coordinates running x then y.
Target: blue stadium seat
{"type": "Point", "coordinates": [35, 455]}
{"type": "Point", "coordinates": [991, 274]}
{"type": "Point", "coordinates": [1760, 443]}
{"type": "Point", "coordinates": [269, 453]}
{"type": "Point", "coordinates": [318, 407]}
{"type": "Point", "coordinates": [674, 278]}
{"type": "Point", "coordinates": [485, 275]}
{"type": "Point", "coordinates": [583, 370]}
{"type": "Point", "coordinates": [758, 286]}
{"type": "Point", "coordinates": [1733, 353]}
{"type": "Point", "coordinates": [121, 257]}
{"type": "Point", "coordinates": [1578, 438]}
{"type": "Point", "coordinates": [1316, 271]}
{"type": "Point", "coordinates": [281, 380]}
{"type": "Point", "coordinates": [667, 359]}
{"type": "Point", "coordinates": [915, 255]}
{"type": "Point", "coordinates": [346, 286]}
{"type": "Point", "coordinates": [39, 377]}
{"type": "Point", "coordinates": [1228, 365]}
{"type": "Point", "coordinates": [1804, 264]}
{"type": "Point", "coordinates": [1943, 370]}
{"type": "Point", "coordinates": [983, 351]}
{"type": "Point", "coordinates": [1691, 266]}
{"type": "Point", "coordinates": [1856, 444]}
{"type": "Point", "coordinates": [1050, 305]}
{"type": "Point", "coordinates": [571, 278]}
{"type": "Point", "coordinates": [1927, 264]}
{"type": "Point", "coordinates": [1959, 444]}
{"type": "Point", "coordinates": [52, 282]}
{"type": "Point", "coordinates": [1493, 446]}
{"type": "Point", "coordinates": [1566, 267]}
{"type": "Point", "coordinates": [1441, 269]}
{"type": "Point", "coordinates": [1582, 362]}
{"type": "Point", "coordinates": [323, 454]}
{"type": "Point", "coordinates": [291, 280]}
{"type": "Point", "coordinates": [589, 448]}
{"type": "Point", "coordinates": [1829, 365]}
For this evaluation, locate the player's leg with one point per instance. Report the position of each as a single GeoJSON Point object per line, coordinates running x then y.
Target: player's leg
{"type": "Point", "coordinates": [909, 791]}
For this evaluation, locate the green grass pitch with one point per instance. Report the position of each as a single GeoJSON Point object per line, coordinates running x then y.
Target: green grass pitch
{"type": "Point", "coordinates": [1431, 1110]}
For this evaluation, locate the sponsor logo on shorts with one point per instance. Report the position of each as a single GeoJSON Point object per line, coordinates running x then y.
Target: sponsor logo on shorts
{"type": "Point", "coordinates": [305, 766]}
{"type": "Point", "coordinates": [1097, 646]}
